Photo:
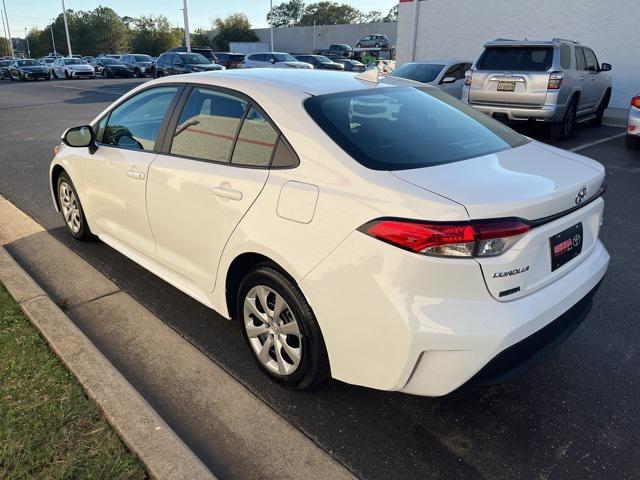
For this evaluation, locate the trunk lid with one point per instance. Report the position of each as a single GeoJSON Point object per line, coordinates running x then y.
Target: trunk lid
{"type": "Point", "coordinates": [532, 182]}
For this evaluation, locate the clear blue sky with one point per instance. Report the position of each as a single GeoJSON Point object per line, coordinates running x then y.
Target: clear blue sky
{"type": "Point", "coordinates": [29, 13]}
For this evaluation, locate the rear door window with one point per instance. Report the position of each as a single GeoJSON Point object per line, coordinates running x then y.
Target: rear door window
{"type": "Point", "coordinates": [580, 65]}
{"type": "Point", "coordinates": [516, 58]}
{"type": "Point", "coordinates": [590, 60]}
{"type": "Point", "coordinates": [256, 140]}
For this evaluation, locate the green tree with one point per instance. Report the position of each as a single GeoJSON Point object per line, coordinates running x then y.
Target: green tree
{"type": "Point", "coordinates": [392, 16]}
{"type": "Point", "coordinates": [106, 31]}
{"type": "Point", "coordinates": [329, 13]}
{"type": "Point", "coordinates": [200, 38]}
{"type": "Point", "coordinates": [153, 35]}
{"type": "Point", "coordinates": [286, 14]}
{"type": "Point", "coordinates": [374, 16]}
{"type": "Point", "coordinates": [234, 28]}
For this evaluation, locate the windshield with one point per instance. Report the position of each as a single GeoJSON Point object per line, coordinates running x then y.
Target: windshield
{"type": "Point", "coordinates": [284, 57]}
{"type": "Point", "coordinates": [420, 72]}
{"type": "Point", "coordinates": [4, 63]}
{"type": "Point", "coordinates": [28, 63]}
{"type": "Point", "coordinates": [398, 128]}
{"type": "Point", "coordinates": [531, 59]}
{"type": "Point", "coordinates": [193, 59]}
{"type": "Point", "coordinates": [323, 59]}
{"type": "Point", "coordinates": [73, 61]}
{"type": "Point", "coordinates": [110, 61]}
{"type": "Point", "coordinates": [142, 58]}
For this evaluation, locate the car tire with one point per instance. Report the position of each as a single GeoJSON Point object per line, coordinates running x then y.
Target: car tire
{"type": "Point", "coordinates": [296, 358]}
{"type": "Point", "coordinates": [597, 121]}
{"type": "Point", "coordinates": [66, 75]}
{"type": "Point", "coordinates": [136, 73]}
{"type": "Point", "coordinates": [22, 77]}
{"type": "Point", "coordinates": [562, 130]}
{"type": "Point", "coordinates": [71, 209]}
{"type": "Point", "coordinates": [632, 142]}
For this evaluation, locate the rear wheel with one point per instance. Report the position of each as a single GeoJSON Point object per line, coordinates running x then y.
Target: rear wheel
{"type": "Point", "coordinates": [563, 130]}
{"type": "Point", "coordinates": [71, 209]}
{"type": "Point", "coordinates": [281, 330]}
{"type": "Point", "coordinates": [632, 142]}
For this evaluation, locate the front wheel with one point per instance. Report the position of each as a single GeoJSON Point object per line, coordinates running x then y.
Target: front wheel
{"type": "Point", "coordinates": [71, 210]}
{"type": "Point", "coordinates": [281, 330]}
{"type": "Point", "coordinates": [66, 75]}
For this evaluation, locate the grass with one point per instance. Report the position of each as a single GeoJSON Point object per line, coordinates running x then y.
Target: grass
{"type": "Point", "coordinates": [49, 429]}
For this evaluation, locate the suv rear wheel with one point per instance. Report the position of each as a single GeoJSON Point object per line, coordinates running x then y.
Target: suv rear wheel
{"type": "Point", "coordinates": [562, 130]}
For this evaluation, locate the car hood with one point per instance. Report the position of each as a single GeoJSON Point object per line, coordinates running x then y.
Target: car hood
{"type": "Point", "coordinates": [298, 64]}
{"type": "Point", "coordinates": [530, 182]}
{"type": "Point", "coordinates": [81, 68]}
{"type": "Point", "coordinates": [205, 66]}
{"type": "Point", "coordinates": [39, 68]}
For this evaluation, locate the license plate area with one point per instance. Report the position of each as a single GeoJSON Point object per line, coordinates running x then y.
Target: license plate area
{"type": "Point", "coordinates": [506, 86]}
{"type": "Point", "coordinates": [566, 245]}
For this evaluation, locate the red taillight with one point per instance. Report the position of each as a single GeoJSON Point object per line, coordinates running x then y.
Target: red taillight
{"type": "Point", "coordinates": [462, 239]}
{"type": "Point", "coordinates": [635, 102]}
{"type": "Point", "coordinates": [555, 80]}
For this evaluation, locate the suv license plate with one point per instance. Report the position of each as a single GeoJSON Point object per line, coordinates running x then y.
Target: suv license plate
{"type": "Point", "coordinates": [506, 86]}
{"type": "Point", "coordinates": [565, 246]}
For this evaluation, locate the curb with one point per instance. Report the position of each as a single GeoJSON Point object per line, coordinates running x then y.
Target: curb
{"type": "Point", "coordinates": [163, 453]}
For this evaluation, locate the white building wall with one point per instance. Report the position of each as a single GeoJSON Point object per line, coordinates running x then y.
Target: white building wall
{"type": "Point", "coordinates": [459, 29]}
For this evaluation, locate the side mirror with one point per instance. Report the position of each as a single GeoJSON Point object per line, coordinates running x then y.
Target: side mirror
{"type": "Point", "coordinates": [605, 67]}
{"type": "Point", "coordinates": [273, 60]}
{"type": "Point", "coordinates": [80, 137]}
{"type": "Point", "coordinates": [448, 80]}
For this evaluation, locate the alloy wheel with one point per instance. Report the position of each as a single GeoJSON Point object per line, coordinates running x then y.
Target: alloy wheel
{"type": "Point", "coordinates": [272, 330]}
{"type": "Point", "coordinates": [70, 207]}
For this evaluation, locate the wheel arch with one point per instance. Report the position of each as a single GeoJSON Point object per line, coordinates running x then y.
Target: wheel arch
{"type": "Point", "coordinates": [56, 171]}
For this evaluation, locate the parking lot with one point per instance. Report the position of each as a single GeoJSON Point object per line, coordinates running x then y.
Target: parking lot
{"type": "Point", "coordinates": [576, 415]}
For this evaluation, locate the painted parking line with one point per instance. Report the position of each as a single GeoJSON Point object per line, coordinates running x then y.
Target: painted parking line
{"type": "Point", "coordinates": [597, 142]}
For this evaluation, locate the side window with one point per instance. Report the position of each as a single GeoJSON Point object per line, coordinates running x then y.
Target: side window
{"type": "Point", "coordinates": [455, 71]}
{"type": "Point", "coordinates": [284, 156]}
{"type": "Point", "coordinates": [255, 141]}
{"type": "Point", "coordinates": [590, 60]}
{"type": "Point", "coordinates": [580, 65]}
{"type": "Point", "coordinates": [135, 124]}
{"type": "Point", "coordinates": [207, 126]}
{"type": "Point", "coordinates": [565, 56]}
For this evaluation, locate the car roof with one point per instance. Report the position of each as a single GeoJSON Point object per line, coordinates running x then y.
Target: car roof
{"type": "Point", "coordinates": [290, 81]}
{"type": "Point", "coordinates": [445, 61]}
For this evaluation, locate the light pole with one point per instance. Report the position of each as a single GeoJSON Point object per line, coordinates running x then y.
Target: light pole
{"type": "Point", "coordinates": [26, 38]}
{"type": "Point", "coordinates": [66, 27]}
{"type": "Point", "coordinates": [6, 17]}
{"type": "Point", "coordinates": [4, 29]}
{"type": "Point", "coordinates": [53, 41]}
{"type": "Point", "coordinates": [271, 24]}
{"type": "Point", "coordinates": [187, 37]}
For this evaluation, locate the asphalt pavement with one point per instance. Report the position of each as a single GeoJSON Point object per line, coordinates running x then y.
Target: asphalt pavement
{"type": "Point", "coordinates": [576, 415]}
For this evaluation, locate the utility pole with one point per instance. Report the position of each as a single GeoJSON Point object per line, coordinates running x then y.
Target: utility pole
{"type": "Point", "coordinates": [6, 17]}
{"type": "Point", "coordinates": [26, 38]}
{"type": "Point", "coordinates": [53, 40]}
{"type": "Point", "coordinates": [66, 27]}
{"type": "Point", "coordinates": [270, 24]}
{"type": "Point", "coordinates": [187, 37]}
{"type": "Point", "coordinates": [314, 36]}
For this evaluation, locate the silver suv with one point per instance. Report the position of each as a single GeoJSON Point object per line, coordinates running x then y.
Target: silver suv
{"type": "Point", "coordinates": [559, 82]}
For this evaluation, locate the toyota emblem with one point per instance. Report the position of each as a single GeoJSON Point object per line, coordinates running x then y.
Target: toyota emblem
{"type": "Point", "coordinates": [581, 195]}
{"type": "Point", "coordinates": [576, 240]}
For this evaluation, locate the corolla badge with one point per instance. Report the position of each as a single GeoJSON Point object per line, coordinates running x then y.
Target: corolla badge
{"type": "Point", "coordinates": [582, 194]}
{"type": "Point", "coordinates": [509, 273]}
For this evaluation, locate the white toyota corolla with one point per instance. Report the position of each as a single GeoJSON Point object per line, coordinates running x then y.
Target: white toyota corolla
{"type": "Point", "coordinates": [376, 232]}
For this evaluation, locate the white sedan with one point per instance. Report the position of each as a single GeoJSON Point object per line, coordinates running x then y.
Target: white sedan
{"type": "Point", "coordinates": [370, 231]}
{"type": "Point", "coordinates": [65, 67]}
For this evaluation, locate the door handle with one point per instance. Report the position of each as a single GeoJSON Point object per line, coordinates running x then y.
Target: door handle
{"type": "Point", "coordinates": [137, 174]}
{"type": "Point", "coordinates": [226, 192]}
{"type": "Point", "coordinates": [581, 78]}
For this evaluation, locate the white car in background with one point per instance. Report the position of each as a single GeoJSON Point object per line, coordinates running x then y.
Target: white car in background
{"type": "Point", "coordinates": [632, 139]}
{"type": "Point", "coordinates": [273, 60]}
{"type": "Point", "coordinates": [69, 68]}
{"type": "Point", "coordinates": [447, 75]}
{"type": "Point", "coordinates": [382, 234]}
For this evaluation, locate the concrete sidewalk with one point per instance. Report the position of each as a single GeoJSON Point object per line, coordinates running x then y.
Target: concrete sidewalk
{"type": "Point", "coordinates": [244, 437]}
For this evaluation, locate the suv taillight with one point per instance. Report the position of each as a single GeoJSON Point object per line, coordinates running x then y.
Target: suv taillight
{"type": "Point", "coordinates": [555, 80]}
{"type": "Point", "coordinates": [459, 239]}
{"type": "Point", "coordinates": [467, 78]}
{"type": "Point", "coordinates": [635, 101]}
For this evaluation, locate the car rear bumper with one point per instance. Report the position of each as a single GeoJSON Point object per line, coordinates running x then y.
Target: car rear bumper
{"type": "Point", "coordinates": [82, 74]}
{"type": "Point", "coordinates": [394, 320]}
{"type": "Point", "coordinates": [544, 113]}
{"type": "Point", "coordinates": [633, 122]}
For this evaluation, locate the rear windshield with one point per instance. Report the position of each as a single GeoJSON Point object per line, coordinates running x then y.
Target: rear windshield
{"type": "Point", "coordinates": [530, 59]}
{"type": "Point", "coordinates": [142, 58]}
{"type": "Point", "coordinates": [399, 128]}
{"type": "Point", "coordinates": [420, 72]}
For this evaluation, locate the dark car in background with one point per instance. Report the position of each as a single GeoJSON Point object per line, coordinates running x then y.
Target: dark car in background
{"type": "Point", "coordinates": [139, 64]}
{"type": "Point", "coordinates": [175, 63]}
{"type": "Point", "coordinates": [110, 68]}
{"type": "Point", "coordinates": [320, 62]}
{"type": "Point", "coordinates": [336, 50]}
{"type": "Point", "coordinates": [28, 69]}
{"type": "Point", "coordinates": [351, 65]}
{"type": "Point", "coordinates": [4, 69]}
{"type": "Point", "coordinates": [229, 60]}
{"type": "Point", "coordinates": [206, 52]}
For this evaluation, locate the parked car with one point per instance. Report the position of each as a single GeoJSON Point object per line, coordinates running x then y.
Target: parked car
{"type": "Point", "coordinates": [139, 64]}
{"type": "Point", "coordinates": [28, 69]}
{"type": "Point", "coordinates": [229, 60]}
{"type": "Point", "coordinates": [273, 60]}
{"type": "Point", "coordinates": [110, 55]}
{"type": "Point", "coordinates": [88, 58]}
{"type": "Point", "coordinates": [447, 75]}
{"type": "Point", "coordinates": [373, 41]}
{"type": "Point", "coordinates": [351, 65]}
{"type": "Point", "coordinates": [632, 138]}
{"type": "Point", "coordinates": [110, 68]}
{"type": "Point", "coordinates": [174, 63]}
{"type": "Point", "coordinates": [4, 69]}
{"type": "Point", "coordinates": [559, 82]}
{"type": "Point", "coordinates": [69, 68]}
{"type": "Point", "coordinates": [48, 62]}
{"type": "Point", "coordinates": [320, 62]}
{"type": "Point", "coordinates": [380, 250]}
{"type": "Point", "coordinates": [206, 52]}
{"type": "Point", "coordinates": [336, 49]}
